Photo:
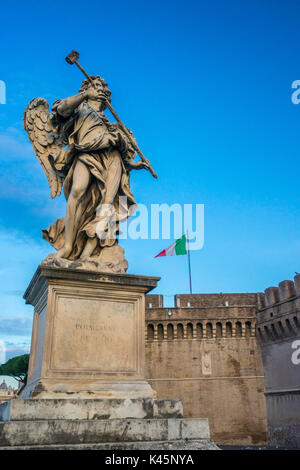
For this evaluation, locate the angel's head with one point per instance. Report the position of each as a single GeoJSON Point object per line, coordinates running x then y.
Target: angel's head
{"type": "Point", "coordinates": [100, 85]}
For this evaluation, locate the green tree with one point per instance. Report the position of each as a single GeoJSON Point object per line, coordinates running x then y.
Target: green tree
{"type": "Point", "coordinates": [16, 367]}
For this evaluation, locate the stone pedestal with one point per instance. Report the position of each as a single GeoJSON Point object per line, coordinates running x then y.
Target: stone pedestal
{"type": "Point", "coordinates": [86, 387]}
{"type": "Point", "coordinates": [88, 334]}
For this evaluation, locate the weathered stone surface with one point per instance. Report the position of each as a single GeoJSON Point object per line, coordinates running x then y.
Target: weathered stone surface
{"type": "Point", "coordinates": [284, 435]}
{"type": "Point", "coordinates": [5, 409]}
{"type": "Point", "coordinates": [45, 409]}
{"type": "Point", "coordinates": [167, 408]}
{"type": "Point", "coordinates": [283, 411]}
{"type": "Point", "coordinates": [65, 432]}
{"type": "Point", "coordinates": [111, 259]}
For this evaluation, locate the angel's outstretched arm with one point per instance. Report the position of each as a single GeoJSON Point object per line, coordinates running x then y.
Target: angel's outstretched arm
{"type": "Point", "coordinates": [68, 105]}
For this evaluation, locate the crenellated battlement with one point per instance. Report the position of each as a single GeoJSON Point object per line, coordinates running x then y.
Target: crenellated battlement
{"type": "Point", "coordinates": [278, 315]}
{"type": "Point", "coordinates": [215, 300]}
{"type": "Point", "coordinates": [154, 301]}
{"type": "Point", "coordinates": [285, 291]}
{"type": "Point", "coordinates": [201, 317]}
{"type": "Point", "coordinates": [219, 300]}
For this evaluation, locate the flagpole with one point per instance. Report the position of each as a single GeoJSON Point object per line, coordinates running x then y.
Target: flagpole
{"type": "Point", "coordinates": [189, 260]}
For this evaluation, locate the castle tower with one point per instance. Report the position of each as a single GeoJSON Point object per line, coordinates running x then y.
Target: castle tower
{"type": "Point", "coordinates": [278, 331]}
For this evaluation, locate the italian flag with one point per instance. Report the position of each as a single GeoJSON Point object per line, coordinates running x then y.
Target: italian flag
{"type": "Point", "coordinates": [177, 248]}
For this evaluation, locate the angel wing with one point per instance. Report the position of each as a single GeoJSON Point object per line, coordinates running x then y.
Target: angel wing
{"type": "Point", "coordinates": [46, 141]}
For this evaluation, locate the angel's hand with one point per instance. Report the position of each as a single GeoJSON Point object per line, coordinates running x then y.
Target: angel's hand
{"type": "Point", "coordinates": [69, 154]}
{"type": "Point", "coordinates": [95, 94]}
{"type": "Point", "coordinates": [138, 165]}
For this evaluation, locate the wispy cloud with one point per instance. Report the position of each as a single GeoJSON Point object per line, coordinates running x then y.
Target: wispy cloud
{"type": "Point", "coordinates": [17, 343]}
{"type": "Point", "coordinates": [15, 326]}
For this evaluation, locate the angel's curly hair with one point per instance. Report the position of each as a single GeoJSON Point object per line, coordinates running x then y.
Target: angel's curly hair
{"type": "Point", "coordinates": [85, 84]}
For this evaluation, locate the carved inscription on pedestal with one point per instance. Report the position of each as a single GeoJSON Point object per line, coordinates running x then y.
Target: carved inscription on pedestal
{"type": "Point", "coordinates": [94, 335]}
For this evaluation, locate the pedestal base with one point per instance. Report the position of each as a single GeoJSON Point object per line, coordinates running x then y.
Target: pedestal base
{"type": "Point", "coordinates": [100, 424]}
{"type": "Point", "coordinates": [45, 388]}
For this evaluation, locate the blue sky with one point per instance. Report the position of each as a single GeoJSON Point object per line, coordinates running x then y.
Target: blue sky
{"type": "Point", "coordinates": [206, 88]}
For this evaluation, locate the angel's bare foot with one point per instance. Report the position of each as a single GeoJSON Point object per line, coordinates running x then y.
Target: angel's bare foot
{"type": "Point", "coordinates": [64, 252]}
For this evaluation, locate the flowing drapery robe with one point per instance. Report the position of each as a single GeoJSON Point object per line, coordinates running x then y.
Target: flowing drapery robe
{"type": "Point", "coordinates": [97, 154]}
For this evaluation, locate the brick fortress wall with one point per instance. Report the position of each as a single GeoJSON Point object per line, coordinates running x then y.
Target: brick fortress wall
{"type": "Point", "coordinates": [205, 352]}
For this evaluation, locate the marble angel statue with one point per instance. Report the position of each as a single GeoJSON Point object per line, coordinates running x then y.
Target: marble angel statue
{"type": "Point", "coordinates": [89, 158]}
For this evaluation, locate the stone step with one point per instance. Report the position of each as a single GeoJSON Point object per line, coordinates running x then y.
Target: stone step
{"type": "Point", "coordinates": [195, 444]}
{"type": "Point", "coordinates": [102, 408]}
{"type": "Point", "coordinates": [101, 431]}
